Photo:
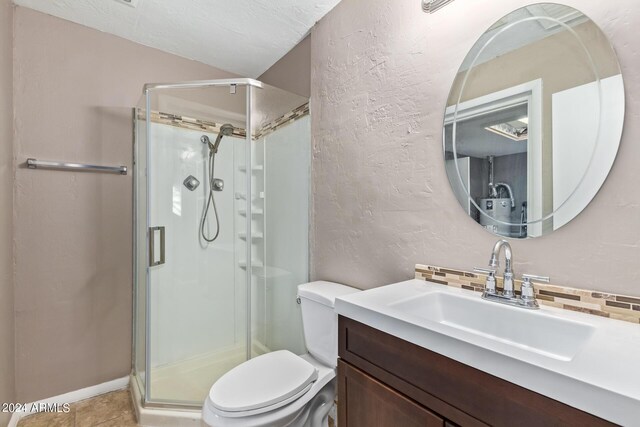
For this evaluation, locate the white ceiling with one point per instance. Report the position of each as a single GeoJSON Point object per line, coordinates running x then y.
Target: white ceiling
{"type": "Point", "coordinates": [245, 37]}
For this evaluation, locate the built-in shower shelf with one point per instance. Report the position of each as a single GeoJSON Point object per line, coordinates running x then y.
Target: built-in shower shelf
{"type": "Point", "coordinates": [254, 212]}
{"type": "Point", "coordinates": [254, 264]}
{"type": "Point", "coordinates": [258, 269]}
{"type": "Point", "coordinates": [254, 235]}
{"type": "Point", "coordinates": [243, 196]}
{"type": "Point", "coordinates": [254, 168]}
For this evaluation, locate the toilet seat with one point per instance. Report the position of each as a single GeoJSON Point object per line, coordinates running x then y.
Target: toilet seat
{"type": "Point", "coordinates": [262, 384]}
{"type": "Point", "coordinates": [282, 413]}
{"type": "Point", "coordinates": [274, 407]}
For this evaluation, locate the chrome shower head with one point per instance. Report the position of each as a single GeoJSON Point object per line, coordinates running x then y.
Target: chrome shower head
{"type": "Point", "coordinates": [225, 130]}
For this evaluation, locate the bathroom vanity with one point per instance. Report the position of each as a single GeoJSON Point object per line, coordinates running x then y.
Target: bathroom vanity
{"type": "Point", "coordinates": [385, 381]}
{"type": "Point", "coordinates": [420, 353]}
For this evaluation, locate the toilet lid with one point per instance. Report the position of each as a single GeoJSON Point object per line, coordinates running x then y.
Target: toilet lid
{"type": "Point", "coordinates": [262, 381]}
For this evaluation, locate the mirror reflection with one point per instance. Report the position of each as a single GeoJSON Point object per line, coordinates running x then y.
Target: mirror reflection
{"type": "Point", "coordinates": [533, 121]}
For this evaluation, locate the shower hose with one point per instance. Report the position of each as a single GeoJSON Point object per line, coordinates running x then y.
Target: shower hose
{"type": "Point", "coordinates": [211, 201]}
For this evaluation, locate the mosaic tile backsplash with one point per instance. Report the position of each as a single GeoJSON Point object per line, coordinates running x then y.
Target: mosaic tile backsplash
{"type": "Point", "coordinates": [618, 307]}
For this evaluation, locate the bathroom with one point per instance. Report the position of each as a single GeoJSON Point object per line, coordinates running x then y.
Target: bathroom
{"type": "Point", "coordinates": [339, 113]}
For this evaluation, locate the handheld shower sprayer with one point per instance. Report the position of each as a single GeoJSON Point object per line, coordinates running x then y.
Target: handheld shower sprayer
{"type": "Point", "coordinates": [214, 184]}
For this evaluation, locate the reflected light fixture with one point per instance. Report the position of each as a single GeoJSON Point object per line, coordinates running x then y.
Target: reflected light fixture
{"type": "Point", "coordinates": [516, 130]}
{"type": "Point", "coordinates": [430, 6]}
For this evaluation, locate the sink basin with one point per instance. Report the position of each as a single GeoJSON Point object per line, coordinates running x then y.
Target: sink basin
{"type": "Point", "coordinates": [534, 331]}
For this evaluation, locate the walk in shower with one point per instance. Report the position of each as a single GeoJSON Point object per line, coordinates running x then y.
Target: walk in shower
{"type": "Point", "coordinates": [221, 232]}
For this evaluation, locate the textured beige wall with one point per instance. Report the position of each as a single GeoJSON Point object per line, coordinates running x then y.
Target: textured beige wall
{"type": "Point", "coordinates": [6, 209]}
{"type": "Point", "coordinates": [292, 72]}
{"type": "Point", "coordinates": [381, 74]}
{"type": "Point", "coordinates": [74, 90]}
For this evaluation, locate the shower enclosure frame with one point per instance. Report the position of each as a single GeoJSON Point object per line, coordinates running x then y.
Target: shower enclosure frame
{"type": "Point", "coordinates": [250, 84]}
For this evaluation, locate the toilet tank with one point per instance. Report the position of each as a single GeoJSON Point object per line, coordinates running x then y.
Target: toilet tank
{"type": "Point", "coordinates": [319, 320]}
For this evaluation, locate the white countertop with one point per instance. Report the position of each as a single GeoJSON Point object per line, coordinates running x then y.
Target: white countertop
{"type": "Point", "coordinates": [602, 378]}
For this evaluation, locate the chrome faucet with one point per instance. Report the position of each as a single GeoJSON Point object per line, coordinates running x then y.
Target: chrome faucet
{"type": "Point", "coordinates": [494, 262]}
{"type": "Point", "coordinates": [527, 298]}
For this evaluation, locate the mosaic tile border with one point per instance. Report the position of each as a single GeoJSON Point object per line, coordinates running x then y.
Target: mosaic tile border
{"type": "Point", "coordinates": [620, 307]}
{"type": "Point", "coordinates": [283, 120]}
{"type": "Point", "coordinates": [192, 123]}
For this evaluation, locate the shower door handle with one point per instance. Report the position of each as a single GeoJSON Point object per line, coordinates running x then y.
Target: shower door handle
{"type": "Point", "coordinates": [152, 246]}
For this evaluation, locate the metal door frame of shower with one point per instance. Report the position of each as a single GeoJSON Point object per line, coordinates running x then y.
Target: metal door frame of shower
{"type": "Point", "coordinates": [203, 83]}
{"type": "Point", "coordinates": [148, 88]}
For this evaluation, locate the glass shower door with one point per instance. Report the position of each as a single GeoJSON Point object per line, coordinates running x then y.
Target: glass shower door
{"type": "Point", "coordinates": [201, 308]}
{"type": "Point", "coordinates": [196, 283]}
{"type": "Point", "coordinates": [281, 163]}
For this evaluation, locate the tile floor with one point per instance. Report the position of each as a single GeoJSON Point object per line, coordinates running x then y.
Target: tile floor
{"type": "Point", "coordinates": [108, 410]}
{"type": "Point", "coordinates": [113, 409]}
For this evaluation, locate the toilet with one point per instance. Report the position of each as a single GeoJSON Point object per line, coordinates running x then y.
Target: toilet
{"type": "Point", "coordinates": [280, 388]}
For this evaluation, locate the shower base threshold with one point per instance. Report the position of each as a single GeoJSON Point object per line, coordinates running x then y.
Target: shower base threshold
{"type": "Point", "coordinates": [162, 417]}
{"type": "Point", "coordinates": [189, 379]}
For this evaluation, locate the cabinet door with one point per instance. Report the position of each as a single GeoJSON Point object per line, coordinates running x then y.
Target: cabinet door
{"type": "Point", "coordinates": [365, 402]}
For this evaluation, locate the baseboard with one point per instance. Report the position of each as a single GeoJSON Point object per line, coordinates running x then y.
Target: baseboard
{"type": "Point", "coordinates": [72, 397]}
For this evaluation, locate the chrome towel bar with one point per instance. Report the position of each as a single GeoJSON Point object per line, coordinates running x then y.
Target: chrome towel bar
{"type": "Point", "coordinates": [37, 164]}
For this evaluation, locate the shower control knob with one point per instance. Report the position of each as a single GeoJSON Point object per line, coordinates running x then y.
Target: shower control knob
{"type": "Point", "coordinates": [191, 182]}
{"type": "Point", "coordinates": [218, 184]}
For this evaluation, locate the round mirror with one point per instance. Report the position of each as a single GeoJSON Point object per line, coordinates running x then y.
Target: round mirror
{"type": "Point", "coordinates": [533, 121]}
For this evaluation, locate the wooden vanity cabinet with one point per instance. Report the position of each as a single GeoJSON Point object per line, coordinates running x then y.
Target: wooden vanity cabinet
{"type": "Point", "coordinates": [384, 381]}
{"type": "Point", "coordinates": [373, 404]}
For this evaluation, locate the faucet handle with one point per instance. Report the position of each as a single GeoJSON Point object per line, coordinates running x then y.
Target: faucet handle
{"type": "Point", "coordinates": [489, 271]}
{"type": "Point", "coordinates": [533, 278]}
{"type": "Point", "coordinates": [527, 292]}
{"type": "Point", "coordinates": [490, 283]}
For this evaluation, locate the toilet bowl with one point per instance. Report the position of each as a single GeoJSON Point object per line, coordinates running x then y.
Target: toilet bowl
{"type": "Point", "coordinates": [281, 388]}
